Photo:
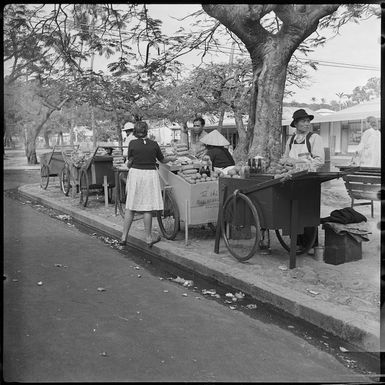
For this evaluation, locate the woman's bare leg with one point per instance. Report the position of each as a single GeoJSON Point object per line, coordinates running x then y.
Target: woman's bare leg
{"type": "Point", "coordinates": [147, 221]}
{"type": "Point", "coordinates": [128, 218]}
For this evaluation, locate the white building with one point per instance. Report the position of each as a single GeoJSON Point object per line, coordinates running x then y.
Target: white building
{"type": "Point", "coordinates": [342, 130]}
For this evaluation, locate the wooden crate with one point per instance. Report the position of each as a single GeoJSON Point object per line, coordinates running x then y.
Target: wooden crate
{"type": "Point", "coordinates": [197, 203]}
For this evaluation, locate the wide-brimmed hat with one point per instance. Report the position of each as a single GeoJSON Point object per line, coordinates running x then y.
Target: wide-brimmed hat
{"type": "Point", "coordinates": [215, 138]}
{"type": "Point", "coordinates": [299, 114]}
{"type": "Point", "coordinates": [128, 127]}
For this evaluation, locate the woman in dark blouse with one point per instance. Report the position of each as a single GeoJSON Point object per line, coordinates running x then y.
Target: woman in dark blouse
{"type": "Point", "coordinates": [219, 155]}
{"type": "Point", "coordinates": [143, 184]}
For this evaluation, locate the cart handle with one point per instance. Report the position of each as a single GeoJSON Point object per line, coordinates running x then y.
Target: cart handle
{"type": "Point", "coordinates": [259, 186]}
{"type": "Point", "coordinates": [161, 177]}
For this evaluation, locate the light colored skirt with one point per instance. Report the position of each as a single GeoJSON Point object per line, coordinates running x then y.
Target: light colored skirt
{"type": "Point", "coordinates": [143, 190]}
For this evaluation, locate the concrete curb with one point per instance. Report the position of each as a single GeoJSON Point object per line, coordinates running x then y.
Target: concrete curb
{"type": "Point", "coordinates": [344, 324]}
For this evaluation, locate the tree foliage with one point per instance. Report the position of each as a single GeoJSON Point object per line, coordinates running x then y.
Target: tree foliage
{"type": "Point", "coordinates": [55, 44]}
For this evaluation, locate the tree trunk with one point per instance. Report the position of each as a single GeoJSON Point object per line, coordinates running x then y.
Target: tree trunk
{"type": "Point", "coordinates": [71, 129]}
{"type": "Point", "coordinates": [221, 118]}
{"type": "Point", "coordinates": [184, 132]}
{"type": "Point", "coordinates": [32, 134]}
{"type": "Point", "coordinates": [240, 151]}
{"type": "Point", "coordinates": [267, 135]}
{"type": "Point", "coordinates": [119, 127]}
{"type": "Point", "coordinates": [46, 139]}
{"type": "Point", "coordinates": [59, 139]}
{"type": "Point", "coordinates": [30, 146]}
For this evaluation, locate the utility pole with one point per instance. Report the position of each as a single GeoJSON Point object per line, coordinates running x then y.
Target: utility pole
{"type": "Point", "coordinates": [231, 60]}
{"type": "Point", "coordinates": [94, 133]}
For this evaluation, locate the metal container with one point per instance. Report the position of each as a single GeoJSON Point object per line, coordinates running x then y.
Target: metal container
{"type": "Point", "coordinates": [319, 253]}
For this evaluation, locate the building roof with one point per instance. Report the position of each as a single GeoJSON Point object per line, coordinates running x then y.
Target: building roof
{"type": "Point", "coordinates": [325, 111]}
{"type": "Point", "coordinates": [358, 112]}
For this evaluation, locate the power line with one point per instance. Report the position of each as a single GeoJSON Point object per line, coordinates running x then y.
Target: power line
{"type": "Point", "coordinates": [228, 50]}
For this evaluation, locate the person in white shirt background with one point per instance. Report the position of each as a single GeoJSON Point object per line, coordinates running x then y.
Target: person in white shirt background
{"type": "Point", "coordinates": [127, 139]}
{"type": "Point", "coordinates": [368, 152]}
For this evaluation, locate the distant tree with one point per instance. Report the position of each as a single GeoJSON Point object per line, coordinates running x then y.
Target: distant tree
{"type": "Point", "coordinates": [340, 95]}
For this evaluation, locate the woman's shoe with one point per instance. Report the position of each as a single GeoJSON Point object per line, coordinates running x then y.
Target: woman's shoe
{"type": "Point", "coordinates": [122, 243]}
{"type": "Point", "coordinates": [155, 240]}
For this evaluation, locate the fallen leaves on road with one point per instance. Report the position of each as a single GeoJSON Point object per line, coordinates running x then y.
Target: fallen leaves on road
{"type": "Point", "coordinates": [63, 217]}
{"type": "Point", "coordinates": [182, 281]}
{"type": "Point", "coordinates": [211, 292]}
{"type": "Point", "coordinates": [312, 292]}
{"type": "Point", "coordinates": [239, 295]}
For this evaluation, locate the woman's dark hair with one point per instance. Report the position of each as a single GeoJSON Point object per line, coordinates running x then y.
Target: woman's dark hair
{"type": "Point", "coordinates": [140, 129]}
{"type": "Point", "coordinates": [203, 122]}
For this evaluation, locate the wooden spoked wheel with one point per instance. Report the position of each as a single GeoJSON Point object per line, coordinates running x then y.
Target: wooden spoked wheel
{"type": "Point", "coordinates": [65, 180]}
{"type": "Point", "coordinates": [44, 176]}
{"type": "Point", "coordinates": [84, 187]}
{"type": "Point", "coordinates": [240, 226]}
{"type": "Point", "coordinates": [168, 218]}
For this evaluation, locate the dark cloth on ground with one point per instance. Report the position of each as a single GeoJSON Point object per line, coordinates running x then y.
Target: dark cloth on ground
{"type": "Point", "coordinates": [344, 216]}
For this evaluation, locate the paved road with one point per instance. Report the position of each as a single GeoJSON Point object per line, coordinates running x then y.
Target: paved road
{"type": "Point", "coordinates": [78, 310]}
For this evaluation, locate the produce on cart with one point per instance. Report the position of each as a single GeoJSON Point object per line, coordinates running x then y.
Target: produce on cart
{"type": "Point", "coordinates": [96, 175]}
{"type": "Point", "coordinates": [69, 175]}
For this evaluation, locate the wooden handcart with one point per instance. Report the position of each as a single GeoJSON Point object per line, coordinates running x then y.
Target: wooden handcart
{"type": "Point", "coordinates": [69, 175]}
{"type": "Point", "coordinates": [250, 207]}
{"type": "Point", "coordinates": [96, 175]}
{"type": "Point", "coordinates": [194, 204]}
{"type": "Point", "coordinates": [52, 163]}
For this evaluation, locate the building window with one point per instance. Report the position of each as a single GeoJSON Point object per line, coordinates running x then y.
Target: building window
{"type": "Point", "coordinates": [354, 132]}
{"type": "Point", "coordinates": [316, 128]}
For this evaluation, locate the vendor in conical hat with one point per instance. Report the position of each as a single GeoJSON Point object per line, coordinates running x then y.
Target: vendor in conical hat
{"type": "Point", "coordinates": [219, 155]}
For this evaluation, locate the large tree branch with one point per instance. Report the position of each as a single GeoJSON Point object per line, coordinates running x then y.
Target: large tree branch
{"type": "Point", "coordinates": [242, 19]}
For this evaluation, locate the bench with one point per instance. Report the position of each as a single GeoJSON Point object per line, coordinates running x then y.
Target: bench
{"type": "Point", "coordinates": [363, 183]}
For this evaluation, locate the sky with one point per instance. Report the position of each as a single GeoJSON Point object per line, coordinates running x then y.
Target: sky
{"type": "Point", "coordinates": [357, 44]}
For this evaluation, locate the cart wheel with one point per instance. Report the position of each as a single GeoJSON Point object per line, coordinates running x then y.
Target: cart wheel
{"type": "Point", "coordinates": [284, 240]}
{"type": "Point", "coordinates": [168, 218]}
{"type": "Point", "coordinates": [242, 240]}
{"type": "Point", "coordinates": [65, 180]}
{"type": "Point", "coordinates": [84, 187]}
{"type": "Point", "coordinates": [44, 176]}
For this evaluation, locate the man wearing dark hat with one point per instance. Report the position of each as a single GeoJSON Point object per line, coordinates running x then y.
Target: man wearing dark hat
{"type": "Point", "coordinates": [304, 146]}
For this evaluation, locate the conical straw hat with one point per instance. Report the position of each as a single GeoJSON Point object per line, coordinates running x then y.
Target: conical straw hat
{"type": "Point", "coordinates": [215, 138]}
